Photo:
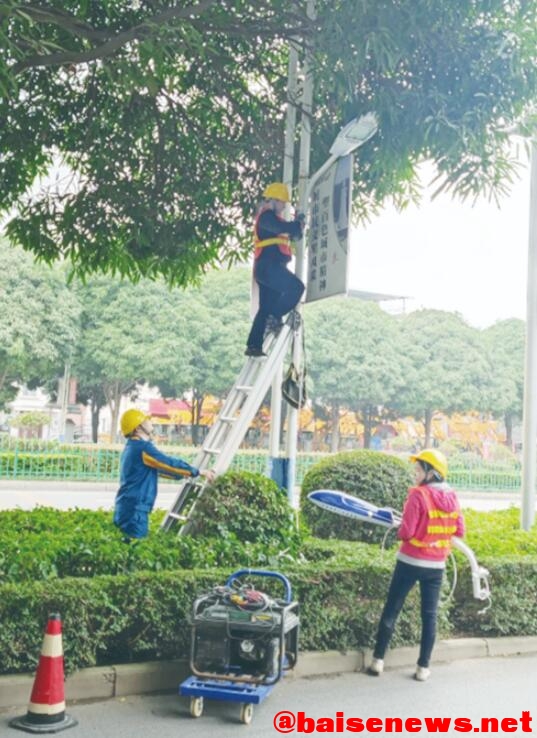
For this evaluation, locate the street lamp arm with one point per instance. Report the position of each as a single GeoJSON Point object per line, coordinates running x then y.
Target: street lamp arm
{"type": "Point", "coordinates": [351, 137]}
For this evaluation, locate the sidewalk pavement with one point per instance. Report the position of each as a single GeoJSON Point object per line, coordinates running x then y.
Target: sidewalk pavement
{"type": "Point", "coordinates": [106, 682]}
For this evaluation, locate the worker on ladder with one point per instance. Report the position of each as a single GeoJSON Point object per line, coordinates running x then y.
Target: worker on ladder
{"type": "Point", "coordinates": [279, 289]}
{"type": "Point", "coordinates": [141, 464]}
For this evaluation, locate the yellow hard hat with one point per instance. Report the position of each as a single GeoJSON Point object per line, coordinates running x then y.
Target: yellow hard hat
{"type": "Point", "coordinates": [131, 419]}
{"type": "Point", "coordinates": [435, 458]}
{"type": "Point", "coordinates": [277, 191]}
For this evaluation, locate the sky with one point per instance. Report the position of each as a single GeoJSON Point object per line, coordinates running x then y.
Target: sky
{"type": "Point", "coordinates": [449, 255]}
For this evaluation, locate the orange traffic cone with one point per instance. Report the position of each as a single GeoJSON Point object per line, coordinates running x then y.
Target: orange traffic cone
{"type": "Point", "coordinates": [46, 711]}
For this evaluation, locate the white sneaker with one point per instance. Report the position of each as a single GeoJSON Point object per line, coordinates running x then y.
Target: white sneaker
{"type": "Point", "coordinates": [376, 667]}
{"type": "Point", "coordinates": [422, 674]}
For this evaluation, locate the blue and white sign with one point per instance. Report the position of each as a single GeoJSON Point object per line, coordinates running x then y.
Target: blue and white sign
{"type": "Point", "coordinates": [328, 233]}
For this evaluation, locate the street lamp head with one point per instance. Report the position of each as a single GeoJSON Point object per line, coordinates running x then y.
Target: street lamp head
{"type": "Point", "coordinates": [354, 134]}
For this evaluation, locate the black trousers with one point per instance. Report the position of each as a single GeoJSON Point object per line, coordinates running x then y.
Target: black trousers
{"type": "Point", "coordinates": [404, 578]}
{"type": "Point", "coordinates": [279, 292]}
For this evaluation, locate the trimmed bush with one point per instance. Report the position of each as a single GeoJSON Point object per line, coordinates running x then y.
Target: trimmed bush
{"type": "Point", "coordinates": [498, 534]}
{"type": "Point", "coordinates": [248, 507]}
{"type": "Point", "coordinates": [243, 518]}
{"type": "Point", "coordinates": [371, 475]}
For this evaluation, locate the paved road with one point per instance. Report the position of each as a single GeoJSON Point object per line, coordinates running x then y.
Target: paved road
{"type": "Point", "coordinates": [64, 495]}
{"type": "Point", "coordinates": [472, 689]}
{"type": "Point", "coordinates": [94, 495]}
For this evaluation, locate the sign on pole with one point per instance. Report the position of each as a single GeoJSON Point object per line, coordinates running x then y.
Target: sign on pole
{"type": "Point", "coordinates": [328, 234]}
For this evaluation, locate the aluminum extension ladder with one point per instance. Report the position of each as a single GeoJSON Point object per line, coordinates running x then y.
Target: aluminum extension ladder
{"type": "Point", "coordinates": [233, 421]}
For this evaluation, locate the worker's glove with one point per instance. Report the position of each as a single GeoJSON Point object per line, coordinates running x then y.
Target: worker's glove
{"type": "Point", "coordinates": [209, 475]}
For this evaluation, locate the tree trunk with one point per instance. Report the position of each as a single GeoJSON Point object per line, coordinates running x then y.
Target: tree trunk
{"type": "Point", "coordinates": [3, 378]}
{"type": "Point", "coordinates": [428, 422]}
{"type": "Point", "coordinates": [508, 420]}
{"type": "Point", "coordinates": [95, 407]}
{"type": "Point", "coordinates": [334, 443]}
{"type": "Point", "coordinates": [114, 400]}
{"type": "Point", "coordinates": [195, 415]}
{"type": "Point", "coordinates": [199, 407]}
{"type": "Point", "coordinates": [367, 417]}
{"type": "Point", "coordinates": [192, 422]}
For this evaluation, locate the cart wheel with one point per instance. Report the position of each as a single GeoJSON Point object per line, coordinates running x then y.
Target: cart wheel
{"type": "Point", "coordinates": [196, 706]}
{"type": "Point", "coordinates": [247, 713]}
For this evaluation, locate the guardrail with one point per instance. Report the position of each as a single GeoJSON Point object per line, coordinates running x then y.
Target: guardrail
{"type": "Point", "coordinates": [25, 459]}
{"type": "Point", "coordinates": [41, 460]}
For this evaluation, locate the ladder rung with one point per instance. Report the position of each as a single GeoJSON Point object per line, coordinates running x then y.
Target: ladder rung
{"type": "Point", "coordinates": [223, 440]}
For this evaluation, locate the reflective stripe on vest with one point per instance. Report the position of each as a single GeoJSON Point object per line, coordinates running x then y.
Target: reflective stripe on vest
{"type": "Point", "coordinates": [282, 241]}
{"type": "Point", "coordinates": [441, 525]}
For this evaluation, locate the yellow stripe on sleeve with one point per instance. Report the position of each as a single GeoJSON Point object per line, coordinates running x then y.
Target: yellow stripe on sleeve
{"type": "Point", "coordinates": [160, 466]}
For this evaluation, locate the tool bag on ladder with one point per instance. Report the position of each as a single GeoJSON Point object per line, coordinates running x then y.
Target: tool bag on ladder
{"type": "Point", "coordinates": [294, 382]}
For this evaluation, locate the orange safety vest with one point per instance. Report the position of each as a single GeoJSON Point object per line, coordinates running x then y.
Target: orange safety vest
{"type": "Point", "coordinates": [441, 525]}
{"type": "Point", "coordinates": [282, 240]}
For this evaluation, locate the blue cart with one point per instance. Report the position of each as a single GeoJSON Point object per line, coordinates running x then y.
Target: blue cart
{"type": "Point", "coordinates": [243, 640]}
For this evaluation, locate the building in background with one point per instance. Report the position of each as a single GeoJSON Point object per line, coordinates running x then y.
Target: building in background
{"type": "Point", "coordinates": [33, 414]}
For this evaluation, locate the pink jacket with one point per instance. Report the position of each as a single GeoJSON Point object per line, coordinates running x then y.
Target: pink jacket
{"type": "Point", "coordinates": [415, 521]}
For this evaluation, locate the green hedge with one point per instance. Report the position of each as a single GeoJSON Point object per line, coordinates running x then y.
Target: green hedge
{"type": "Point", "coordinates": [146, 615]}
{"type": "Point", "coordinates": [38, 459]}
{"type": "Point", "coordinates": [129, 603]}
{"type": "Point", "coordinates": [143, 616]}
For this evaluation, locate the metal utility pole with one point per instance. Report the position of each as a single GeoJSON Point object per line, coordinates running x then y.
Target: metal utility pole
{"type": "Point", "coordinates": [529, 448]}
{"type": "Point", "coordinates": [300, 264]}
{"type": "Point", "coordinates": [288, 165]}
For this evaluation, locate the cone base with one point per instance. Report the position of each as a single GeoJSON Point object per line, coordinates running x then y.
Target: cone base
{"type": "Point", "coordinates": [22, 723]}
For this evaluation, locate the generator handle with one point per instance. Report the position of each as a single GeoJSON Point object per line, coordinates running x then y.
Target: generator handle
{"type": "Point", "coordinates": [263, 573]}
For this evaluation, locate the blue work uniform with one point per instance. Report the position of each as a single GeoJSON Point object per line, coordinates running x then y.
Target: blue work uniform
{"type": "Point", "coordinates": [141, 464]}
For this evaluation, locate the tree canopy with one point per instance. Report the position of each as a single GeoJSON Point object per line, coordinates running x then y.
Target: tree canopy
{"type": "Point", "coordinates": [164, 120]}
{"type": "Point", "coordinates": [184, 342]}
{"type": "Point", "coordinates": [449, 367]}
{"type": "Point", "coordinates": [116, 336]}
{"type": "Point", "coordinates": [38, 322]}
{"type": "Point", "coordinates": [160, 116]}
{"type": "Point", "coordinates": [505, 344]}
{"type": "Point", "coordinates": [355, 359]}
{"type": "Point", "coordinates": [130, 334]}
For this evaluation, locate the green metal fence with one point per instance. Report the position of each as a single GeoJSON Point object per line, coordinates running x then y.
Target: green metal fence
{"type": "Point", "coordinates": [483, 478]}
{"type": "Point", "coordinates": [41, 460]}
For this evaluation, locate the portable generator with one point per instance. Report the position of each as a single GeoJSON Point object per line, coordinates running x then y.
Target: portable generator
{"type": "Point", "coordinates": [242, 641]}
